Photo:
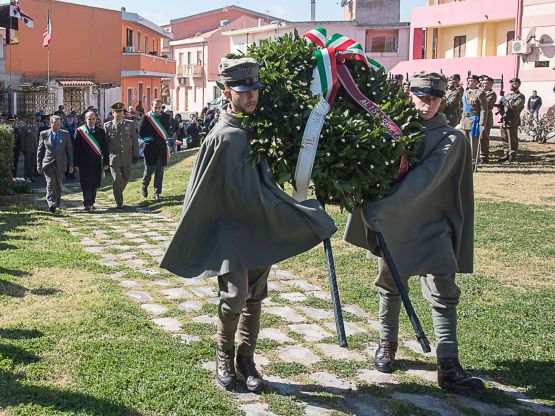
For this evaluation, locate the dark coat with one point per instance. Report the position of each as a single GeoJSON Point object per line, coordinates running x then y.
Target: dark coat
{"type": "Point", "coordinates": [88, 162]}
{"type": "Point", "coordinates": [428, 218]}
{"type": "Point", "coordinates": [158, 145]}
{"type": "Point", "coordinates": [235, 217]}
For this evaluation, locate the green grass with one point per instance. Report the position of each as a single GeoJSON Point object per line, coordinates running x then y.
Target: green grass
{"type": "Point", "coordinates": [71, 343]}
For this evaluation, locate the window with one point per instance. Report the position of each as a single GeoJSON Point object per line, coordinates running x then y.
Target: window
{"type": "Point", "coordinates": [155, 93]}
{"type": "Point", "coordinates": [510, 40]}
{"type": "Point", "coordinates": [384, 44]}
{"type": "Point", "coordinates": [141, 98]}
{"type": "Point", "coordinates": [217, 92]}
{"type": "Point", "coordinates": [434, 42]}
{"type": "Point", "coordinates": [148, 100]}
{"type": "Point", "coordinates": [424, 44]}
{"type": "Point", "coordinates": [129, 96]}
{"type": "Point", "coordinates": [153, 45]}
{"type": "Point", "coordinates": [459, 47]}
{"type": "Point", "coordinates": [194, 94]}
{"type": "Point", "coordinates": [189, 62]}
{"type": "Point", "coordinates": [146, 44]}
{"type": "Point", "coordinates": [129, 39]}
{"type": "Point", "coordinates": [181, 58]}
{"type": "Point", "coordinates": [138, 41]}
{"type": "Point", "coordinates": [199, 57]}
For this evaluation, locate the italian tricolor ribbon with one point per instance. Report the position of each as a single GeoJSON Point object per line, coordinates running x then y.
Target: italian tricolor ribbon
{"type": "Point", "coordinates": [91, 141]}
{"type": "Point", "coordinates": [160, 129]}
{"type": "Point", "coordinates": [329, 74]}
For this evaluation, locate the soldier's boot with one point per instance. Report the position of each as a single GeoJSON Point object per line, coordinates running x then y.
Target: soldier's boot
{"type": "Point", "coordinates": [225, 354]}
{"type": "Point", "coordinates": [385, 356]}
{"type": "Point", "coordinates": [504, 158]}
{"type": "Point", "coordinates": [144, 191]}
{"type": "Point", "coordinates": [451, 376]}
{"type": "Point", "coordinates": [249, 326]}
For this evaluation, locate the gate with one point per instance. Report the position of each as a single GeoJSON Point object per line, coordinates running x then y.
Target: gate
{"type": "Point", "coordinates": [74, 100]}
{"type": "Point", "coordinates": [35, 99]}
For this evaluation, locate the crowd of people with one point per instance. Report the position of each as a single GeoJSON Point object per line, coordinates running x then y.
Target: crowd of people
{"type": "Point", "coordinates": [471, 111]}
{"type": "Point", "coordinates": [67, 145]}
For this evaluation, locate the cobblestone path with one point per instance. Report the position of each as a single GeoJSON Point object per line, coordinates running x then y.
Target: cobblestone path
{"type": "Point", "coordinates": [306, 372]}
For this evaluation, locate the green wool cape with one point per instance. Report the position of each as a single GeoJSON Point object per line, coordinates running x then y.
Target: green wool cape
{"type": "Point", "coordinates": [234, 216]}
{"type": "Point", "coordinates": [427, 220]}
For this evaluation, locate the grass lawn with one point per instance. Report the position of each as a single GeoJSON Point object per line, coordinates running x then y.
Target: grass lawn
{"type": "Point", "coordinates": [71, 342]}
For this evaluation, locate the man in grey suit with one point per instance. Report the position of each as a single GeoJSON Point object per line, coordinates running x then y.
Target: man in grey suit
{"type": "Point", "coordinates": [54, 152]}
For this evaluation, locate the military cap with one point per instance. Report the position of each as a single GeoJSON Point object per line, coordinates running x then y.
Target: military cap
{"type": "Point", "coordinates": [118, 106]}
{"type": "Point", "coordinates": [473, 77]}
{"type": "Point", "coordinates": [424, 83]}
{"type": "Point", "coordinates": [453, 78]}
{"type": "Point", "coordinates": [515, 80]}
{"type": "Point", "coordinates": [483, 77]}
{"type": "Point", "coordinates": [456, 76]}
{"type": "Point", "coordinates": [487, 78]}
{"type": "Point", "coordinates": [240, 75]}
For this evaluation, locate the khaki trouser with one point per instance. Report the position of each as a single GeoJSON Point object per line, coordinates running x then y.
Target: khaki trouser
{"type": "Point", "coordinates": [484, 144]}
{"type": "Point", "coordinates": [241, 295]}
{"type": "Point", "coordinates": [120, 177]}
{"type": "Point", "coordinates": [53, 185]}
{"type": "Point", "coordinates": [442, 293]}
{"type": "Point", "coordinates": [509, 135]}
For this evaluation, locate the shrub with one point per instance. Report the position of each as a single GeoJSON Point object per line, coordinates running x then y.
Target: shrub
{"type": "Point", "coordinates": [6, 157]}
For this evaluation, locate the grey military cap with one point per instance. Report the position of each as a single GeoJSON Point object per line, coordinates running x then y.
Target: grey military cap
{"type": "Point", "coordinates": [240, 75]}
{"type": "Point", "coordinates": [424, 83]}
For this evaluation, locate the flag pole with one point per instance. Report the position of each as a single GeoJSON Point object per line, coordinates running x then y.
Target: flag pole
{"type": "Point", "coordinates": [48, 67]}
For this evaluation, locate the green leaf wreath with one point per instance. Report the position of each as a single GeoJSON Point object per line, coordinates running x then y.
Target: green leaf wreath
{"type": "Point", "coordinates": [357, 160]}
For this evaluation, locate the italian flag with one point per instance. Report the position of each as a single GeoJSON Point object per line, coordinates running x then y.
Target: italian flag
{"type": "Point", "coordinates": [47, 35]}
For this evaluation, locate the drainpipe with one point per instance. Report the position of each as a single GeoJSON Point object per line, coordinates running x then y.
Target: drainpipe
{"type": "Point", "coordinates": [203, 76]}
{"type": "Point", "coordinates": [518, 34]}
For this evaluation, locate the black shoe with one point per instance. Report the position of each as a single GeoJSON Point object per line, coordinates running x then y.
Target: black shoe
{"type": "Point", "coordinates": [52, 208]}
{"type": "Point", "coordinates": [483, 162]}
{"type": "Point", "coordinates": [93, 207]}
{"type": "Point", "coordinates": [225, 369]}
{"type": "Point", "coordinates": [385, 356]}
{"type": "Point", "coordinates": [144, 191]}
{"type": "Point", "coordinates": [119, 206]}
{"type": "Point", "coordinates": [157, 197]}
{"type": "Point", "coordinates": [505, 158]}
{"type": "Point", "coordinates": [451, 376]}
{"type": "Point", "coordinates": [246, 369]}
{"type": "Point", "coordinates": [87, 208]}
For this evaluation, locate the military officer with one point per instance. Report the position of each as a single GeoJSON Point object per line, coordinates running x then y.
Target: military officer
{"type": "Point", "coordinates": [491, 99]}
{"type": "Point", "coordinates": [474, 112]}
{"type": "Point", "coordinates": [459, 87]}
{"type": "Point", "coordinates": [30, 142]}
{"type": "Point", "coordinates": [253, 225]}
{"type": "Point", "coordinates": [514, 104]}
{"type": "Point", "coordinates": [123, 147]}
{"type": "Point", "coordinates": [438, 191]}
{"type": "Point", "coordinates": [451, 106]}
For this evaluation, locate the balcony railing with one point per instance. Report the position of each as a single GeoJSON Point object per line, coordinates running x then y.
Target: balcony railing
{"type": "Point", "coordinates": [189, 70]}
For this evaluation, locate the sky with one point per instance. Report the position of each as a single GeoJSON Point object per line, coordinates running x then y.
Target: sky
{"type": "Point", "coordinates": [163, 11]}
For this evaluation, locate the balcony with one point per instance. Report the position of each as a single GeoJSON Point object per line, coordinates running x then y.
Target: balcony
{"type": "Point", "coordinates": [147, 64]}
{"type": "Point", "coordinates": [463, 13]}
{"type": "Point", "coordinates": [189, 70]}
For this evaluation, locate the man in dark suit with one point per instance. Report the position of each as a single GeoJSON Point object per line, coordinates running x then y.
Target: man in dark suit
{"type": "Point", "coordinates": [154, 131]}
{"type": "Point", "coordinates": [54, 152]}
{"type": "Point", "coordinates": [91, 158]}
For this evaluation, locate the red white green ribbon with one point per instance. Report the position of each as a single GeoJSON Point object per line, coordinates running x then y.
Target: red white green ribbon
{"type": "Point", "coordinates": [91, 141]}
{"type": "Point", "coordinates": [318, 35]}
{"type": "Point", "coordinates": [160, 129]}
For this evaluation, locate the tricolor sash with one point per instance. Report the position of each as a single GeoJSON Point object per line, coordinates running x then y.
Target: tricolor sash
{"type": "Point", "coordinates": [160, 129]}
{"type": "Point", "coordinates": [91, 141]}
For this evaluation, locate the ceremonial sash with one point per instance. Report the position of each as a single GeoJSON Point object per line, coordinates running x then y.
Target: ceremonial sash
{"type": "Point", "coordinates": [160, 129]}
{"type": "Point", "coordinates": [475, 129]}
{"type": "Point", "coordinates": [91, 141]}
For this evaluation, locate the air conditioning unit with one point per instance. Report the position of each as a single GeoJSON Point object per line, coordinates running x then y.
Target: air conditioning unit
{"type": "Point", "coordinates": [224, 22]}
{"type": "Point", "coordinates": [521, 47]}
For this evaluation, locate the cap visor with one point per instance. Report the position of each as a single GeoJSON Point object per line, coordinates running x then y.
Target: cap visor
{"type": "Point", "coordinates": [422, 92]}
{"type": "Point", "coordinates": [249, 87]}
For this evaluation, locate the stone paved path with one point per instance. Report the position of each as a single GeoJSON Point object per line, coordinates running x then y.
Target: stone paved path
{"type": "Point", "coordinates": [307, 373]}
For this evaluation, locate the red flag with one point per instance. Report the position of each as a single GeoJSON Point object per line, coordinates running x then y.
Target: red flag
{"type": "Point", "coordinates": [47, 35]}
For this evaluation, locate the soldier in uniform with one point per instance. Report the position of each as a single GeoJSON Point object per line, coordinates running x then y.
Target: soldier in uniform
{"type": "Point", "coordinates": [253, 225]}
{"type": "Point", "coordinates": [438, 191]}
{"type": "Point", "coordinates": [451, 105]}
{"type": "Point", "coordinates": [514, 104]}
{"type": "Point", "coordinates": [123, 147]}
{"type": "Point", "coordinates": [30, 142]}
{"type": "Point", "coordinates": [460, 89]}
{"type": "Point", "coordinates": [491, 99]}
{"type": "Point", "coordinates": [474, 112]}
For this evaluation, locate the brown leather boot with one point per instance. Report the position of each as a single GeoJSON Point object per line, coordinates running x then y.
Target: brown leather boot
{"type": "Point", "coordinates": [451, 376]}
{"type": "Point", "coordinates": [246, 368]}
{"type": "Point", "coordinates": [225, 369]}
{"type": "Point", "coordinates": [385, 356]}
